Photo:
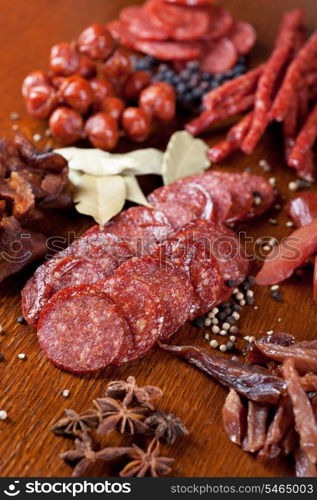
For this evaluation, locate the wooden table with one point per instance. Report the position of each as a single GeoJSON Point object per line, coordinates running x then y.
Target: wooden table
{"type": "Point", "coordinates": [31, 389]}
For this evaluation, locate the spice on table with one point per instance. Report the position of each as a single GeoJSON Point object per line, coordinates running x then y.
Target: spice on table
{"type": "Point", "coordinates": [74, 424]}
{"type": "Point", "coordinates": [147, 462]}
{"type": "Point", "coordinates": [65, 393]}
{"type": "Point", "coordinates": [3, 415]}
{"type": "Point", "coordinates": [20, 320]}
{"type": "Point", "coordinates": [84, 452]}
{"type": "Point", "coordinates": [22, 356]}
{"type": "Point", "coordinates": [167, 427]}
{"type": "Point", "coordinates": [130, 392]}
{"type": "Point", "coordinates": [1, 357]}
{"type": "Point", "coordinates": [114, 415]}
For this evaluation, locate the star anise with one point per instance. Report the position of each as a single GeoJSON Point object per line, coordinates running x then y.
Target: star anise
{"type": "Point", "coordinates": [85, 455]}
{"type": "Point", "coordinates": [165, 426]}
{"type": "Point", "coordinates": [147, 462]}
{"type": "Point", "coordinates": [73, 424]}
{"type": "Point", "coordinates": [114, 415]}
{"type": "Point", "coordinates": [130, 392]}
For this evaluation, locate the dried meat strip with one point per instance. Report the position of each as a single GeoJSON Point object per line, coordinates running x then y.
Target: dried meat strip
{"type": "Point", "coordinates": [292, 22]}
{"type": "Point", "coordinates": [234, 417]}
{"type": "Point", "coordinates": [253, 382]}
{"type": "Point", "coordinates": [233, 141]}
{"type": "Point", "coordinates": [282, 421]}
{"type": "Point", "coordinates": [306, 424]}
{"type": "Point", "coordinates": [256, 428]}
{"type": "Point", "coordinates": [304, 141]}
{"type": "Point", "coordinates": [304, 358]}
{"type": "Point", "coordinates": [304, 467]}
{"type": "Point", "coordinates": [76, 341]}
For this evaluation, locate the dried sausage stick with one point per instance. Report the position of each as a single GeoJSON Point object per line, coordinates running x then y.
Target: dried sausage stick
{"type": "Point", "coordinates": [233, 140]}
{"type": "Point", "coordinates": [304, 140]}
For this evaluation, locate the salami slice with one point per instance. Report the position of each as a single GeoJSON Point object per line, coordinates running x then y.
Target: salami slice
{"type": "Point", "coordinates": [243, 36]}
{"type": "Point", "coordinates": [177, 21]}
{"type": "Point", "coordinates": [182, 202]}
{"type": "Point", "coordinates": [262, 193]}
{"type": "Point", "coordinates": [190, 3]}
{"type": "Point", "coordinates": [141, 25]}
{"type": "Point", "coordinates": [143, 311]}
{"type": "Point", "coordinates": [81, 330]}
{"type": "Point", "coordinates": [99, 250]}
{"type": "Point", "coordinates": [121, 32]}
{"type": "Point", "coordinates": [169, 51]}
{"type": "Point", "coordinates": [220, 22]}
{"type": "Point", "coordinates": [218, 56]}
{"type": "Point", "coordinates": [141, 228]}
{"type": "Point", "coordinates": [169, 283]}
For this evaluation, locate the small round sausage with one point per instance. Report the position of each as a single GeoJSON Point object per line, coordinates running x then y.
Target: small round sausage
{"type": "Point", "coordinates": [33, 80]}
{"type": "Point", "coordinates": [102, 130]}
{"type": "Point", "coordinates": [102, 88]}
{"type": "Point", "coordinates": [136, 124]}
{"type": "Point", "coordinates": [159, 101]}
{"type": "Point", "coordinates": [134, 84]}
{"type": "Point", "coordinates": [96, 42]}
{"type": "Point", "coordinates": [77, 93]}
{"type": "Point", "coordinates": [118, 67]}
{"type": "Point", "coordinates": [64, 59]}
{"type": "Point", "coordinates": [114, 106]}
{"type": "Point", "coordinates": [66, 125]}
{"type": "Point", "coordinates": [87, 68]}
{"type": "Point", "coordinates": [41, 100]}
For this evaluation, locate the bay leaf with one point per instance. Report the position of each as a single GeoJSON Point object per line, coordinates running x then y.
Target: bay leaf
{"type": "Point", "coordinates": [134, 192]}
{"type": "Point", "coordinates": [185, 155]}
{"type": "Point", "coordinates": [101, 197]}
{"type": "Point", "coordinates": [97, 162]}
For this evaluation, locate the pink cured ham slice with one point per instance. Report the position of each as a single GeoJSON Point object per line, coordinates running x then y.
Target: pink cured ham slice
{"type": "Point", "coordinates": [143, 311]}
{"type": "Point", "coordinates": [182, 202]}
{"type": "Point", "coordinates": [169, 283]}
{"type": "Point", "coordinates": [77, 341]}
{"type": "Point", "coordinates": [292, 252]}
{"type": "Point", "coordinates": [243, 36]}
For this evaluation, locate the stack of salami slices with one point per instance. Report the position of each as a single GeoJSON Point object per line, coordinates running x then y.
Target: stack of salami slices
{"type": "Point", "coordinates": [109, 296]}
{"type": "Point", "coordinates": [181, 30]}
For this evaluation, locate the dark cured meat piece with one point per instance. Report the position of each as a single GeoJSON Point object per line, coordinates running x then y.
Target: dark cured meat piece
{"type": "Point", "coordinates": [290, 128]}
{"type": "Point", "coordinates": [283, 420]}
{"type": "Point", "coordinates": [178, 22]}
{"type": "Point", "coordinates": [292, 252]}
{"type": "Point", "coordinates": [24, 200]}
{"type": "Point", "coordinates": [81, 330]}
{"type": "Point", "coordinates": [306, 424]}
{"type": "Point", "coordinates": [243, 36]}
{"type": "Point", "coordinates": [169, 283]}
{"type": "Point", "coordinates": [253, 382]}
{"type": "Point", "coordinates": [140, 24]}
{"type": "Point", "coordinates": [256, 431]}
{"type": "Point", "coordinates": [303, 208]}
{"type": "Point", "coordinates": [305, 359]}
{"type": "Point", "coordinates": [143, 311]}
{"type": "Point", "coordinates": [183, 201]}
{"type": "Point", "coordinates": [242, 85]}
{"type": "Point", "coordinates": [315, 281]}
{"type": "Point", "coordinates": [169, 51]}
{"type": "Point", "coordinates": [141, 228]}
{"type": "Point", "coordinates": [106, 251]}
{"type": "Point", "coordinates": [256, 357]}
{"type": "Point", "coordinates": [304, 467]}
{"type": "Point", "coordinates": [300, 64]}
{"type": "Point", "coordinates": [309, 382]}
{"type": "Point", "coordinates": [220, 22]}
{"type": "Point", "coordinates": [304, 141]}
{"type": "Point", "coordinates": [218, 56]}
{"type": "Point", "coordinates": [234, 417]}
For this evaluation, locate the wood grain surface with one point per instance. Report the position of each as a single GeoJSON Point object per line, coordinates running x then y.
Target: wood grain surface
{"type": "Point", "coordinates": [31, 390]}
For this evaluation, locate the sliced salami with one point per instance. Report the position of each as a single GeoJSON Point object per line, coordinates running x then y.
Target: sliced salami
{"type": "Point", "coordinates": [218, 56]}
{"type": "Point", "coordinates": [183, 201]}
{"type": "Point", "coordinates": [140, 228]}
{"type": "Point", "coordinates": [141, 25]}
{"type": "Point", "coordinates": [169, 51]}
{"type": "Point", "coordinates": [169, 283]}
{"type": "Point", "coordinates": [220, 22]}
{"type": "Point", "coordinates": [121, 32]}
{"type": "Point", "coordinates": [143, 311]}
{"type": "Point", "coordinates": [262, 193]}
{"type": "Point", "coordinates": [190, 3]}
{"type": "Point", "coordinates": [81, 330]}
{"type": "Point", "coordinates": [243, 36]}
{"type": "Point", "coordinates": [177, 21]}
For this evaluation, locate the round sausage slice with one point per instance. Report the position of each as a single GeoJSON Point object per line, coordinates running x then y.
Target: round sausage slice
{"type": "Point", "coordinates": [81, 330]}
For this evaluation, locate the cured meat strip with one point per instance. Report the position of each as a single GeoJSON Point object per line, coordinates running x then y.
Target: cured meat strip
{"type": "Point", "coordinates": [263, 97]}
{"type": "Point", "coordinates": [303, 208]}
{"type": "Point", "coordinates": [208, 118]}
{"type": "Point", "coordinates": [297, 67]}
{"type": "Point", "coordinates": [76, 341]}
{"type": "Point", "coordinates": [183, 201]}
{"type": "Point", "coordinates": [169, 283]}
{"type": "Point", "coordinates": [256, 430]}
{"type": "Point", "coordinates": [291, 23]}
{"type": "Point", "coordinates": [283, 420]}
{"type": "Point", "coordinates": [141, 228]}
{"type": "Point", "coordinates": [233, 141]}
{"type": "Point", "coordinates": [304, 358]}
{"type": "Point", "coordinates": [281, 262]}
{"type": "Point", "coordinates": [234, 417]}
{"type": "Point", "coordinates": [96, 252]}
{"type": "Point", "coordinates": [178, 22]}
{"type": "Point", "coordinates": [304, 467]}
{"type": "Point", "coordinates": [242, 85]}
{"type": "Point", "coordinates": [305, 140]}
{"type": "Point", "coordinates": [143, 312]}
{"type": "Point", "coordinates": [306, 424]}
{"type": "Point", "coordinates": [290, 128]}
{"type": "Point", "coordinates": [255, 383]}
